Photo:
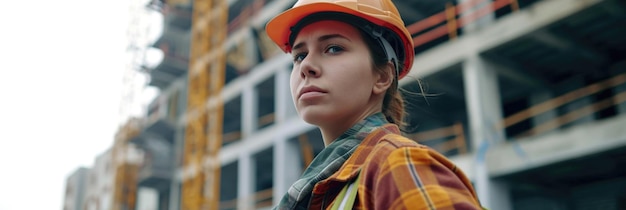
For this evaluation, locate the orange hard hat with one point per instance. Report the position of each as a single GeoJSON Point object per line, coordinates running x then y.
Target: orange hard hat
{"type": "Point", "coordinates": [381, 13]}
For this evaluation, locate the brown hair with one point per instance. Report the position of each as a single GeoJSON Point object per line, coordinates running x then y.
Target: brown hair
{"type": "Point", "coordinates": [393, 104]}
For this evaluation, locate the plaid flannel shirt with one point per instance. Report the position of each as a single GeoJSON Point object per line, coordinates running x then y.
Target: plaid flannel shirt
{"type": "Point", "coordinates": [396, 173]}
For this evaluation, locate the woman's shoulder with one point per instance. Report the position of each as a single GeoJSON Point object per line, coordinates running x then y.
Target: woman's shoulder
{"type": "Point", "coordinates": [393, 140]}
{"type": "Point", "coordinates": [398, 141]}
{"type": "Point", "coordinates": [393, 145]}
{"type": "Point", "coordinates": [398, 167]}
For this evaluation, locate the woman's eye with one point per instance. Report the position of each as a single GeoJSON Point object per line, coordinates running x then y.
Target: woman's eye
{"type": "Point", "coordinates": [298, 57]}
{"type": "Point", "coordinates": [334, 49]}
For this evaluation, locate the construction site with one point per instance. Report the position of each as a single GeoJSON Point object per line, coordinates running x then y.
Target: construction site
{"type": "Point", "coordinates": [527, 97]}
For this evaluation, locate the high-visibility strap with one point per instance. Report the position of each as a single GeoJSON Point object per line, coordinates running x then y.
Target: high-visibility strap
{"type": "Point", "coordinates": [347, 195]}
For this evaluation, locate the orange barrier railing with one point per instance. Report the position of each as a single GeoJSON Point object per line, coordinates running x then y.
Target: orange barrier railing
{"type": "Point", "coordinates": [451, 138]}
{"type": "Point", "coordinates": [449, 15]}
{"type": "Point", "coordinates": [266, 119]}
{"type": "Point", "coordinates": [262, 199]}
{"type": "Point", "coordinates": [564, 99]}
{"type": "Point", "coordinates": [245, 14]}
{"type": "Point", "coordinates": [231, 137]}
{"type": "Point", "coordinates": [236, 135]}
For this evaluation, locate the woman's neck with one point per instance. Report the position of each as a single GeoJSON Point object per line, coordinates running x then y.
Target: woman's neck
{"type": "Point", "coordinates": [332, 131]}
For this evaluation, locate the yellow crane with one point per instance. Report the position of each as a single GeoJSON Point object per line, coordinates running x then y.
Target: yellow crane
{"type": "Point", "coordinates": [204, 116]}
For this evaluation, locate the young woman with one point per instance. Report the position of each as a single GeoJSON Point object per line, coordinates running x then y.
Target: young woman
{"type": "Point", "coordinates": [348, 56]}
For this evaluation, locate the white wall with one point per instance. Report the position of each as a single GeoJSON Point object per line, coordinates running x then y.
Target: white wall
{"type": "Point", "coordinates": [100, 183]}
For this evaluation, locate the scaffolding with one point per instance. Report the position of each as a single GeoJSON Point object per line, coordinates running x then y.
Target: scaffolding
{"type": "Point", "coordinates": [126, 167]}
{"type": "Point", "coordinates": [204, 117]}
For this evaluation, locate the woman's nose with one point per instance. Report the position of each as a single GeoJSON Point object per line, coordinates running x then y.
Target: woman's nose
{"type": "Point", "coordinates": [309, 67]}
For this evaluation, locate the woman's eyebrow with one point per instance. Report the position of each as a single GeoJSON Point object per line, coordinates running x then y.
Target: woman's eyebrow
{"type": "Point", "coordinates": [331, 36]}
{"type": "Point", "coordinates": [321, 38]}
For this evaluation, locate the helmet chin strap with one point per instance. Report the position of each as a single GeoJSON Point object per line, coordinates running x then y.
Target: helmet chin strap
{"type": "Point", "coordinates": [389, 51]}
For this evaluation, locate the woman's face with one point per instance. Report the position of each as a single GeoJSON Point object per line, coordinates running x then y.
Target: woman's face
{"type": "Point", "coordinates": [332, 79]}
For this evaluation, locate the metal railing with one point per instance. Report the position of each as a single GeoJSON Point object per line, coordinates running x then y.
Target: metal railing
{"type": "Point", "coordinates": [444, 140]}
{"type": "Point", "coordinates": [454, 17]}
{"type": "Point", "coordinates": [237, 135]}
{"type": "Point", "coordinates": [261, 199]}
{"type": "Point", "coordinates": [564, 99]}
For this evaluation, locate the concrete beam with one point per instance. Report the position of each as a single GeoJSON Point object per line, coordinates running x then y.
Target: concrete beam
{"type": "Point", "coordinates": [528, 20]}
{"type": "Point", "coordinates": [514, 26]}
{"type": "Point", "coordinates": [575, 142]}
{"type": "Point", "coordinates": [446, 88]}
{"type": "Point", "coordinates": [433, 60]}
{"type": "Point", "coordinates": [263, 139]}
{"type": "Point", "coordinates": [269, 11]}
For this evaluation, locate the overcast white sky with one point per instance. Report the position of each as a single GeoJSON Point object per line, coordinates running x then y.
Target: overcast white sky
{"type": "Point", "coordinates": [61, 66]}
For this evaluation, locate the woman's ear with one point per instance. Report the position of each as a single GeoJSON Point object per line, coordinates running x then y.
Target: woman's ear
{"type": "Point", "coordinates": [385, 79]}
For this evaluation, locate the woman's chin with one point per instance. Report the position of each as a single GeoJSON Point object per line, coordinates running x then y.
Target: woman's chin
{"type": "Point", "coordinates": [313, 120]}
{"type": "Point", "coordinates": [314, 117]}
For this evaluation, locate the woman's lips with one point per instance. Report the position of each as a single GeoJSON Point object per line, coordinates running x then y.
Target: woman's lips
{"type": "Point", "coordinates": [311, 91]}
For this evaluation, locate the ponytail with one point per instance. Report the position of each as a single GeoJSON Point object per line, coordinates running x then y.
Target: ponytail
{"type": "Point", "coordinates": [393, 105]}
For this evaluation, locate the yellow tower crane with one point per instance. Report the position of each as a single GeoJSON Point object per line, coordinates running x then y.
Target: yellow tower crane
{"type": "Point", "coordinates": [126, 169]}
{"type": "Point", "coordinates": [204, 117]}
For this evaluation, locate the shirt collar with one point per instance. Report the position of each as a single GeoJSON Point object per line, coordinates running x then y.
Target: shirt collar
{"type": "Point", "coordinates": [329, 161]}
{"type": "Point", "coordinates": [352, 166]}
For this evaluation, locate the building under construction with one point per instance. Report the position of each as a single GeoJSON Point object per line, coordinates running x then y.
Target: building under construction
{"type": "Point", "coordinates": [528, 97]}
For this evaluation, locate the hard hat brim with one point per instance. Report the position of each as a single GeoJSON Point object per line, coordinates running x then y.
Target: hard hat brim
{"type": "Point", "coordinates": [279, 28]}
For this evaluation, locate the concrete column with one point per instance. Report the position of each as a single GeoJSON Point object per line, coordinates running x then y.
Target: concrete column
{"type": "Point", "coordinates": [621, 107]}
{"type": "Point", "coordinates": [485, 112]}
{"type": "Point", "coordinates": [470, 14]}
{"type": "Point", "coordinates": [617, 69]}
{"type": "Point", "coordinates": [164, 195]}
{"type": "Point", "coordinates": [246, 178]}
{"type": "Point", "coordinates": [571, 85]}
{"type": "Point", "coordinates": [178, 145]}
{"type": "Point", "coordinates": [283, 104]}
{"type": "Point", "coordinates": [287, 159]}
{"type": "Point", "coordinates": [540, 97]}
{"type": "Point", "coordinates": [249, 110]}
{"type": "Point", "coordinates": [147, 198]}
{"type": "Point", "coordinates": [287, 166]}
